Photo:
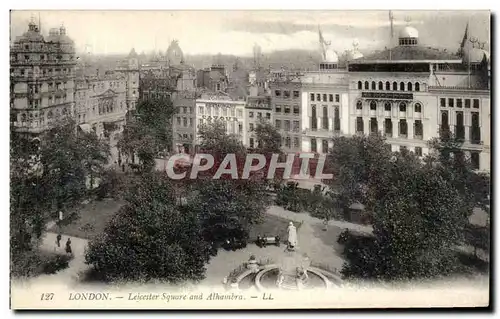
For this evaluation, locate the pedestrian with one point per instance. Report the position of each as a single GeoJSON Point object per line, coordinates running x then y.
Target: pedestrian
{"type": "Point", "coordinates": [68, 247]}
{"type": "Point", "coordinates": [58, 240]}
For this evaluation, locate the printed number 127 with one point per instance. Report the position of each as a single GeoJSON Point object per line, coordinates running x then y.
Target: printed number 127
{"type": "Point", "coordinates": [47, 296]}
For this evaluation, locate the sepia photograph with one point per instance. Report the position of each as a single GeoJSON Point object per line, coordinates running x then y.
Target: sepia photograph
{"type": "Point", "coordinates": [254, 159]}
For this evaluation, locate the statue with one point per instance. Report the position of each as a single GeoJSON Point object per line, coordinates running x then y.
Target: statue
{"type": "Point", "coordinates": [292, 236]}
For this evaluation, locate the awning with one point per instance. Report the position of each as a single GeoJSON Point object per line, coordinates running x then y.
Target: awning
{"type": "Point", "coordinates": [86, 128]}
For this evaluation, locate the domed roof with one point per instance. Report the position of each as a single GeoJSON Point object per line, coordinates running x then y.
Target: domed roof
{"type": "Point", "coordinates": [331, 56]}
{"type": "Point", "coordinates": [475, 55]}
{"type": "Point", "coordinates": [408, 32]}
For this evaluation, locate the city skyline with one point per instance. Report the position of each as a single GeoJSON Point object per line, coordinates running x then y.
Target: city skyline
{"type": "Point", "coordinates": [236, 32]}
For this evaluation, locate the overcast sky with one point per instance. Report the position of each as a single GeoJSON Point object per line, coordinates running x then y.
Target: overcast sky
{"type": "Point", "coordinates": [235, 32]}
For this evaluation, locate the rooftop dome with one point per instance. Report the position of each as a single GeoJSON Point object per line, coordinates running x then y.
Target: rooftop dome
{"type": "Point", "coordinates": [32, 35]}
{"type": "Point", "coordinates": [408, 32]}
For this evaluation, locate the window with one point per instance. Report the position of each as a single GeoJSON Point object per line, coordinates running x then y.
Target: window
{"type": "Point", "coordinates": [336, 120]}
{"type": "Point", "coordinates": [277, 93]}
{"type": "Point", "coordinates": [402, 107]}
{"type": "Point", "coordinates": [251, 127]}
{"type": "Point", "coordinates": [443, 102]}
{"type": "Point", "coordinates": [373, 85]}
{"type": "Point", "coordinates": [296, 109]}
{"type": "Point", "coordinates": [402, 86]}
{"type": "Point", "coordinates": [200, 109]}
{"type": "Point", "coordinates": [318, 97]}
{"type": "Point", "coordinates": [373, 106]}
{"type": "Point", "coordinates": [268, 115]}
{"type": "Point", "coordinates": [286, 94]}
{"type": "Point", "coordinates": [337, 98]}
{"type": "Point", "coordinates": [475, 104]}
{"type": "Point", "coordinates": [26, 57]}
{"type": "Point", "coordinates": [467, 103]}
{"type": "Point", "coordinates": [240, 113]}
{"type": "Point", "coordinates": [314, 146]}
{"type": "Point", "coordinates": [459, 103]}
{"type": "Point", "coordinates": [417, 87]}
{"type": "Point", "coordinates": [324, 146]}
{"type": "Point", "coordinates": [233, 112]}
{"type": "Point", "coordinates": [325, 98]}
{"type": "Point", "coordinates": [373, 125]}
{"type": "Point", "coordinates": [418, 108]}
{"type": "Point", "coordinates": [184, 109]}
{"type": "Point", "coordinates": [250, 114]}
{"type": "Point", "coordinates": [359, 105]}
{"type": "Point", "coordinates": [403, 128]}
{"type": "Point", "coordinates": [287, 109]}
{"type": "Point", "coordinates": [394, 86]}
{"type": "Point", "coordinates": [287, 142]}
{"type": "Point", "coordinates": [240, 127]}
{"type": "Point", "coordinates": [190, 122]}
{"type": "Point", "coordinates": [360, 85]}
{"type": "Point", "coordinates": [475, 129]}
{"type": "Point", "coordinates": [296, 94]}
{"type": "Point", "coordinates": [418, 130]}
{"type": "Point", "coordinates": [259, 115]}
{"type": "Point", "coordinates": [410, 87]}
{"type": "Point", "coordinates": [184, 121]}
{"type": "Point", "coordinates": [388, 127]}
{"type": "Point", "coordinates": [324, 119]}
{"type": "Point", "coordinates": [403, 148]}
{"type": "Point", "coordinates": [330, 97]}
{"type": "Point", "coordinates": [224, 111]}
{"type": "Point", "coordinates": [314, 119]}
{"type": "Point", "coordinates": [459, 127]}
{"type": "Point", "coordinates": [278, 124]}
{"type": "Point", "coordinates": [312, 97]}
{"type": "Point", "coordinates": [387, 86]}
{"type": "Point", "coordinates": [359, 125]}
{"type": "Point", "coordinates": [387, 106]}
{"type": "Point", "coordinates": [278, 108]}
{"type": "Point", "coordinates": [178, 121]}
{"type": "Point", "coordinates": [418, 151]}
{"type": "Point", "coordinates": [444, 121]}
{"type": "Point", "coordinates": [474, 158]}
{"type": "Point", "coordinates": [450, 102]}
{"type": "Point", "coordinates": [380, 85]}
{"type": "Point", "coordinates": [287, 125]}
{"type": "Point", "coordinates": [251, 142]}
{"type": "Point", "coordinates": [296, 126]}
{"type": "Point", "coordinates": [296, 142]}
{"type": "Point", "coordinates": [367, 85]}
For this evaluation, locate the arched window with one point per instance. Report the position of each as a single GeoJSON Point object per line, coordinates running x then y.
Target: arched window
{"type": "Point", "coordinates": [367, 85]}
{"type": "Point", "coordinates": [314, 119]}
{"type": "Point", "coordinates": [373, 85]}
{"type": "Point", "coordinates": [380, 85]}
{"type": "Point", "coordinates": [417, 87]}
{"type": "Point", "coordinates": [373, 105]}
{"type": "Point", "coordinates": [410, 86]}
{"type": "Point", "coordinates": [394, 86]}
{"type": "Point", "coordinates": [360, 85]}
{"type": "Point", "coordinates": [336, 120]}
{"type": "Point", "coordinates": [402, 86]}
{"type": "Point", "coordinates": [387, 106]}
{"type": "Point", "coordinates": [444, 119]}
{"type": "Point", "coordinates": [359, 105]}
{"type": "Point", "coordinates": [402, 107]}
{"type": "Point", "coordinates": [23, 117]}
{"type": "Point", "coordinates": [387, 86]}
{"type": "Point", "coordinates": [418, 108]}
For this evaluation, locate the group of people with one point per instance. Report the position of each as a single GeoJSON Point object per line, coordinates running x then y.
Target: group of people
{"type": "Point", "coordinates": [68, 249]}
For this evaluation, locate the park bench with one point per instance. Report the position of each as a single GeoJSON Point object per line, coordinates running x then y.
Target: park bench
{"type": "Point", "coordinates": [264, 241]}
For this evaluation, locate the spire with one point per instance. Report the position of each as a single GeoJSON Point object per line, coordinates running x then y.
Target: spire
{"type": "Point", "coordinates": [466, 36]}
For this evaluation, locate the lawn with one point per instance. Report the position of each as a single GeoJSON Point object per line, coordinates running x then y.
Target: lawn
{"type": "Point", "coordinates": [92, 219]}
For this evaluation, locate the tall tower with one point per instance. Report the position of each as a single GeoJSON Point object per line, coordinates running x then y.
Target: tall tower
{"type": "Point", "coordinates": [257, 53]}
{"type": "Point", "coordinates": [132, 79]}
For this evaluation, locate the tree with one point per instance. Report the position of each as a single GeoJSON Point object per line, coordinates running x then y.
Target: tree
{"type": "Point", "coordinates": [150, 238]}
{"type": "Point", "coordinates": [417, 225]}
{"type": "Point", "coordinates": [268, 138]}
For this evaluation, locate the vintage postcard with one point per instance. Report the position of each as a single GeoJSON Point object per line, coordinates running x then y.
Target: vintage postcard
{"type": "Point", "coordinates": [249, 159]}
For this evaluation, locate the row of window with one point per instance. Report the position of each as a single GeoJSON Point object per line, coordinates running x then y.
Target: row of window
{"type": "Point", "coordinates": [452, 102]}
{"type": "Point", "coordinates": [285, 141]}
{"type": "Point", "coordinates": [183, 122]}
{"type": "Point", "coordinates": [259, 115]}
{"type": "Point", "coordinates": [388, 87]}
{"type": "Point", "coordinates": [418, 128]}
{"type": "Point", "coordinates": [474, 130]}
{"type": "Point", "coordinates": [319, 95]}
{"type": "Point", "coordinates": [184, 136]}
{"type": "Point", "coordinates": [286, 109]}
{"type": "Point", "coordinates": [287, 127]}
{"type": "Point", "coordinates": [217, 111]}
{"type": "Point", "coordinates": [41, 57]}
{"type": "Point", "coordinates": [324, 121]}
{"type": "Point", "coordinates": [388, 106]}
{"type": "Point", "coordinates": [286, 94]}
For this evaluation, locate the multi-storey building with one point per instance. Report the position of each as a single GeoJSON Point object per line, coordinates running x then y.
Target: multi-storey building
{"type": "Point", "coordinates": [286, 102]}
{"type": "Point", "coordinates": [42, 79]}
{"type": "Point", "coordinates": [257, 110]}
{"type": "Point", "coordinates": [219, 106]}
{"type": "Point", "coordinates": [101, 106]}
{"type": "Point", "coordinates": [130, 69]}
{"type": "Point", "coordinates": [410, 93]}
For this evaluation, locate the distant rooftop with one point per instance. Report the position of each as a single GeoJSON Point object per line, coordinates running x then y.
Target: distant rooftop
{"type": "Point", "coordinates": [409, 53]}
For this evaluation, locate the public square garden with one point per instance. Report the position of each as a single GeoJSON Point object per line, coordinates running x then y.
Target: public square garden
{"type": "Point", "coordinates": [383, 217]}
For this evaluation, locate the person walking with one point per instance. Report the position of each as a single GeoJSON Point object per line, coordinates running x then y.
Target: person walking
{"type": "Point", "coordinates": [69, 251]}
{"type": "Point", "coordinates": [58, 240]}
